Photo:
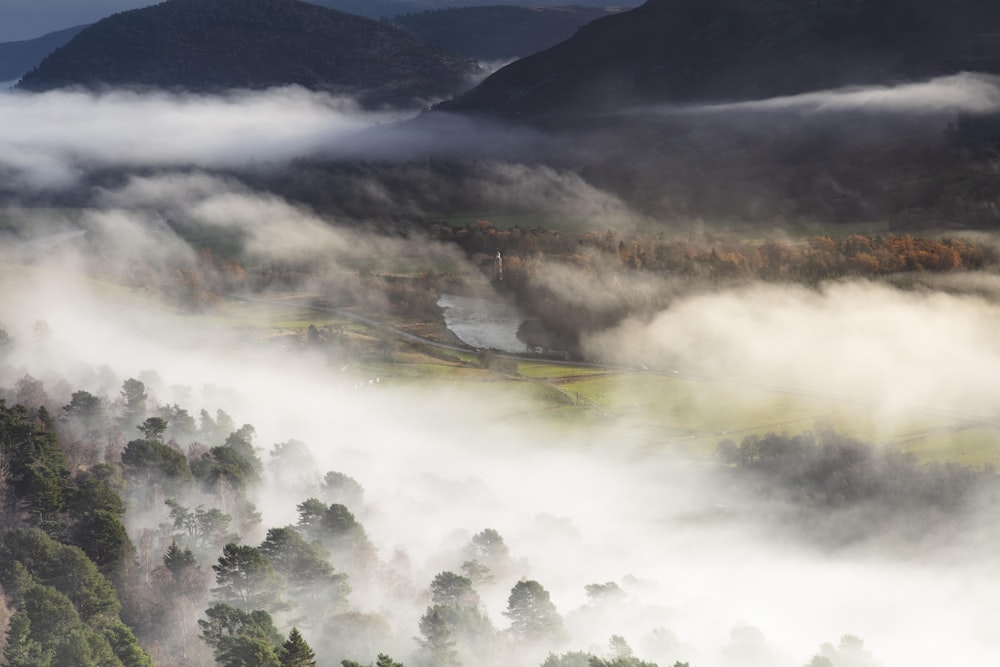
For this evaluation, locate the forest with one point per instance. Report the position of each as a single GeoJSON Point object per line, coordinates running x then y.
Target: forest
{"type": "Point", "coordinates": [79, 590]}
{"type": "Point", "coordinates": [132, 537]}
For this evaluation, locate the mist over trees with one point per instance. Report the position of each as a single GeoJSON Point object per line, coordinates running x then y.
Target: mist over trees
{"type": "Point", "coordinates": [207, 583]}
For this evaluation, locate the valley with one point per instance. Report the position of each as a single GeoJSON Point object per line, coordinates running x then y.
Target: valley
{"type": "Point", "coordinates": [391, 334]}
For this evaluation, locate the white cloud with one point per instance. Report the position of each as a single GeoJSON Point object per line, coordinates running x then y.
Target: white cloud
{"type": "Point", "coordinates": [46, 130]}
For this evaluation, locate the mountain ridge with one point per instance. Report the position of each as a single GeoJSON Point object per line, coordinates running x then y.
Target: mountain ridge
{"type": "Point", "coordinates": [19, 57]}
{"type": "Point", "coordinates": [208, 45]}
{"type": "Point", "coordinates": [693, 51]}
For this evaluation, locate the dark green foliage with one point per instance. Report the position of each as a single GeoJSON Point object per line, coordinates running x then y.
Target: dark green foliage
{"type": "Point", "coordinates": [341, 488]}
{"type": "Point", "coordinates": [307, 573]}
{"type": "Point", "coordinates": [240, 638]}
{"type": "Point", "coordinates": [437, 641]}
{"type": "Point", "coordinates": [226, 464]}
{"type": "Point", "coordinates": [133, 395]}
{"type": "Point", "coordinates": [606, 592]}
{"type": "Point", "coordinates": [67, 611]}
{"type": "Point", "coordinates": [843, 489]}
{"type": "Point", "coordinates": [65, 568]}
{"type": "Point", "coordinates": [336, 527]}
{"type": "Point", "coordinates": [51, 613]}
{"type": "Point", "coordinates": [295, 652]}
{"type": "Point", "coordinates": [311, 513]}
{"type": "Point", "coordinates": [246, 579]}
{"type": "Point", "coordinates": [568, 659]}
{"type": "Point", "coordinates": [103, 537]}
{"type": "Point", "coordinates": [235, 463]}
{"type": "Point", "coordinates": [629, 661]}
{"type": "Point", "coordinates": [98, 488]}
{"type": "Point", "coordinates": [86, 418]}
{"type": "Point", "coordinates": [382, 660]}
{"type": "Point", "coordinates": [477, 572]}
{"type": "Point", "coordinates": [148, 462]}
{"type": "Point", "coordinates": [488, 547]}
{"type": "Point", "coordinates": [126, 647]}
{"type": "Point", "coordinates": [178, 560]}
{"type": "Point", "coordinates": [48, 630]}
{"type": "Point", "coordinates": [452, 589]}
{"type": "Point", "coordinates": [214, 432]}
{"type": "Point", "coordinates": [294, 454]}
{"type": "Point", "coordinates": [291, 463]}
{"type": "Point", "coordinates": [532, 615]}
{"type": "Point", "coordinates": [201, 528]}
{"type": "Point", "coordinates": [212, 45]}
{"type": "Point", "coordinates": [454, 621]}
{"type": "Point", "coordinates": [849, 652]}
{"type": "Point", "coordinates": [153, 429]}
{"type": "Point", "coordinates": [87, 408]}
{"type": "Point", "coordinates": [181, 426]}
{"type": "Point", "coordinates": [97, 508]}
{"type": "Point", "coordinates": [36, 465]}
{"type": "Point", "coordinates": [22, 650]}
{"type": "Point", "coordinates": [582, 659]}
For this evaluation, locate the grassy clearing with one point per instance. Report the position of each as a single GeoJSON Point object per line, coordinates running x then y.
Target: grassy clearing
{"type": "Point", "coordinates": [548, 370]}
{"type": "Point", "coordinates": [976, 446]}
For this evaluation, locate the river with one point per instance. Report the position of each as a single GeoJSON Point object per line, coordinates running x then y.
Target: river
{"type": "Point", "coordinates": [483, 323]}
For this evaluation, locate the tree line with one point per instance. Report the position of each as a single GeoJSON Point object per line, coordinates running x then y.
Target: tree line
{"type": "Point", "coordinates": [187, 584]}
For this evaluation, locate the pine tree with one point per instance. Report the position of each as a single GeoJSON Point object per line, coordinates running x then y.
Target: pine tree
{"type": "Point", "coordinates": [532, 615]}
{"type": "Point", "coordinates": [295, 652]}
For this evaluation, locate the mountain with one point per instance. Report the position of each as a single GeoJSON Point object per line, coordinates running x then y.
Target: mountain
{"type": "Point", "coordinates": [499, 32]}
{"type": "Point", "coordinates": [374, 9]}
{"type": "Point", "coordinates": [722, 50]}
{"type": "Point", "coordinates": [210, 45]}
{"type": "Point", "coordinates": [391, 8]}
{"type": "Point", "coordinates": [16, 58]}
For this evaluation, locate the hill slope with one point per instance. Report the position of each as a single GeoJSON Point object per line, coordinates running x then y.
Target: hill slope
{"type": "Point", "coordinates": [715, 50]}
{"type": "Point", "coordinates": [499, 32]}
{"type": "Point", "coordinates": [16, 58]}
{"type": "Point", "coordinates": [209, 45]}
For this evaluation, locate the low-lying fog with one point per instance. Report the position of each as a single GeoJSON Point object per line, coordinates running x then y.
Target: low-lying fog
{"type": "Point", "coordinates": [707, 583]}
{"type": "Point", "coordinates": [575, 508]}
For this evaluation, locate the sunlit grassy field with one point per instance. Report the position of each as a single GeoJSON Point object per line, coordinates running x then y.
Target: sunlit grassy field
{"type": "Point", "coordinates": [659, 411]}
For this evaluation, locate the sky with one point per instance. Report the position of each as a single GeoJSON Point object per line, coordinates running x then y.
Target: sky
{"type": "Point", "coordinates": [27, 19]}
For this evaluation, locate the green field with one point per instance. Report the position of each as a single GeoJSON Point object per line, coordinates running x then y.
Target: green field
{"type": "Point", "coordinates": [659, 411]}
{"type": "Point", "coordinates": [656, 410]}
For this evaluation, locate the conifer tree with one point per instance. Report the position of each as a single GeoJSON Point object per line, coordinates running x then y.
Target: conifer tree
{"type": "Point", "coordinates": [295, 652]}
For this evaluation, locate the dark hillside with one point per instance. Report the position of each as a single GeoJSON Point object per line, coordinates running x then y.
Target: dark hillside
{"type": "Point", "coordinates": [499, 31]}
{"type": "Point", "coordinates": [723, 50]}
{"type": "Point", "coordinates": [373, 9]}
{"type": "Point", "coordinates": [209, 45]}
{"type": "Point", "coordinates": [16, 58]}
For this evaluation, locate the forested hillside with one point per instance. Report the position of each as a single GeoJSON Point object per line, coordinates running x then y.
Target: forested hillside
{"type": "Point", "coordinates": [17, 58]}
{"type": "Point", "coordinates": [696, 51]}
{"type": "Point", "coordinates": [198, 579]}
{"type": "Point", "coordinates": [216, 45]}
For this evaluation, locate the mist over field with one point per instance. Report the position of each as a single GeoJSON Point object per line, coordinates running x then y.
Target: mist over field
{"type": "Point", "coordinates": [574, 509]}
{"type": "Point", "coordinates": [711, 573]}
